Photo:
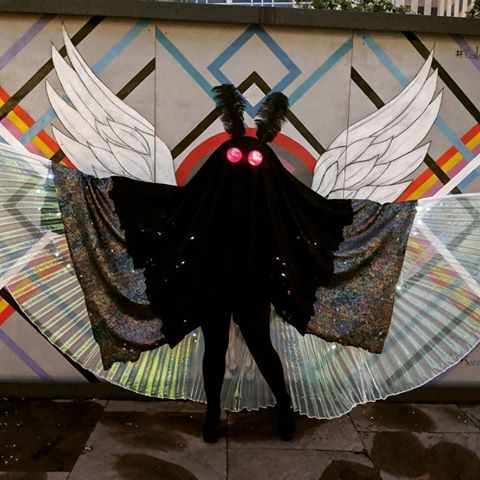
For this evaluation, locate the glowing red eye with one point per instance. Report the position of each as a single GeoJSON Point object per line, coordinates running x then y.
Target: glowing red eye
{"type": "Point", "coordinates": [234, 154]}
{"type": "Point", "coordinates": [255, 158]}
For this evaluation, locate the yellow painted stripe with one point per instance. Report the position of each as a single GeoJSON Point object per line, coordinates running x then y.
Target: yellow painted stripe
{"type": "Point", "coordinates": [17, 121]}
{"type": "Point", "coordinates": [433, 180]}
{"type": "Point", "coordinates": [23, 127]}
{"type": "Point", "coordinates": [452, 162]}
{"type": "Point", "coordinates": [446, 167]}
{"type": "Point", "coordinates": [43, 147]}
{"type": "Point", "coordinates": [3, 305]}
{"type": "Point", "coordinates": [474, 141]}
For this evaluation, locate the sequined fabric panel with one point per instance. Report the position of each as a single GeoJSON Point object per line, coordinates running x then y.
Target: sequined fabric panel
{"type": "Point", "coordinates": [121, 317]}
{"type": "Point", "coordinates": [356, 306]}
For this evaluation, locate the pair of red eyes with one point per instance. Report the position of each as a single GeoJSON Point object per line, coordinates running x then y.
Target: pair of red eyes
{"type": "Point", "coordinates": [254, 157]}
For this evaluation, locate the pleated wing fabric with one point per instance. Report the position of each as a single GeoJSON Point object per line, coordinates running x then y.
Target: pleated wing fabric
{"type": "Point", "coordinates": [435, 319]}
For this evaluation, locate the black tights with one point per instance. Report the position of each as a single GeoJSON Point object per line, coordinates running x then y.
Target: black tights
{"type": "Point", "coordinates": [254, 324]}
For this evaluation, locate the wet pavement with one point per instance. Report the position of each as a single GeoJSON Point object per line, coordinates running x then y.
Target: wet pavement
{"type": "Point", "coordinates": [160, 440]}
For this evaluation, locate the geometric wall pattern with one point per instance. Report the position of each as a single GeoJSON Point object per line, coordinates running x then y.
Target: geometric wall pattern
{"type": "Point", "coordinates": [165, 71]}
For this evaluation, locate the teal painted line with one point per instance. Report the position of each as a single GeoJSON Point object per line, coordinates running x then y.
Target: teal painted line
{"type": "Point", "coordinates": [468, 180]}
{"type": "Point", "coordinates": [183, 61]}
{"type": "Point", "coordinates": [121, 45]}
{"type": "Point", "coordinates": [103, 63]}
{"type": "Point", "coordinates": [321, 71]}
{"type": "Point", "coordinates": [384, 58]}
{"type": "Point", "coordinates": [404, 81]}
{"type": "Point", "coordinates": [453, 138]}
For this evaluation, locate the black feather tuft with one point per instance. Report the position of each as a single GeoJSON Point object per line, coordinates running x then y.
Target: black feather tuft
{"type": "Point", "coordinates": [231, 105]}
{"type": "Point", "coordinates": [271, 116]}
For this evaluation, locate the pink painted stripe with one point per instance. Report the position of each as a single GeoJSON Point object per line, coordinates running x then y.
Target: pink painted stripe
{"type": "Point", "coordinates": [24, 40]}
{"type": "Point", "coordinates": [451, 173]}
{"type": "Point", "coordinates": [457, 168]}
{"type": "Point", "coordinates": [11, 127]}
{"type": "Point", "coordinates": [34, 149]}
{"type": "Point", "coordinates": [476, 150]}
{"type": "Point", "coordinates": [16, 132]}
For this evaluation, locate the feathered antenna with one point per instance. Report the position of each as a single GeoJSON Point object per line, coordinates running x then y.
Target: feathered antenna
{"type": "Point", "coordinates": [271, 115]}
{"type": "Point", "coordinates": [232, 105]}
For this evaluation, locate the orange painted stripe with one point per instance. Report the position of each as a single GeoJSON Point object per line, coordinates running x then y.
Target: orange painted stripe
{"type": "Point", "coordinates": [471, 133]}
{"type": "Point", "coordinates": [3, 95]}
{"type": "Point", "coordinates": [23, 127]}
{"type": "Point", "coordinates": [433, 180]}
{"type": "Point", "coordinates": [3, 304]}
{"type": "Point", "coordinates": [426, 176]}
{"type": "Point", "coordinates": [65, 161]}
{"type": "Point", "coordinates": [415, 190]}
{"type": "Point", "coordinates": [473, 142]}
{"type": "Point", "coordinates": [213, 142]}
{"type": "Point", "coordinates": [197, 154]}
{"type": "Point", "coordinates": [297, 150]}
{"type": "Point", "coordinates": [23, 121]}
{"type": "Point", "coordinates": [6, 310]}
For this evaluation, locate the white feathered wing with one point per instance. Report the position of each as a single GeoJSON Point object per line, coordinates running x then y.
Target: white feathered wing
{"type": "Point", "coordinates": [372, 157]}
{"type": "Point", "coordinates": [107, 136]}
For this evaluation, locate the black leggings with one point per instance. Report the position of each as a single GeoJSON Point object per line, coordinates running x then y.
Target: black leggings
{"type": "Point", "coordinates": [254, 324]}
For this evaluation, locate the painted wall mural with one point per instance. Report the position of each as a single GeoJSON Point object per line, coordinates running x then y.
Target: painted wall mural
{"type": "Point", "coordinates": [396, 111]}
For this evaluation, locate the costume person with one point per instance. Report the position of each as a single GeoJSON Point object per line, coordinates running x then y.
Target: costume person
{"type": "Point", "coordinates": [147, 264]}
{"type": "Point", "coordinates": [242, 235]}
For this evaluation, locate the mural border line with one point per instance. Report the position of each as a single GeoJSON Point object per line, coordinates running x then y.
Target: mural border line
{"type": "Point", "coordinates": [234, 14]}
{"type": "Point", "coordinates": [47, 67]}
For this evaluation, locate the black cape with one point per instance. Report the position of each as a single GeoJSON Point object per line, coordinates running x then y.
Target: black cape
{"type": "Point", "coordinates": [234, 235]}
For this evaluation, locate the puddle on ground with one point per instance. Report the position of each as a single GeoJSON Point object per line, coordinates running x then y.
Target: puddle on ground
{"type": "Point", "coordinates": [404, 455]}
{"type": "Point", "coordinates": [345, 470]}
{"type": "Point", "coordinates": [44, 436]}
{"type": "Point", "coordinates": [451, 461]}
{"type": "Point", "coordinates": [401, 417]}
{"type": "Point", "coordinates": [399, 453]}
{"type": "Point", "coordinates": [160, 431]}
{"type": "Point", "coordinates": [454, 413]}
{"type": "Point", "coordinates": [135, 466]}
{"type": "Point", "coordinates": [261, 425]}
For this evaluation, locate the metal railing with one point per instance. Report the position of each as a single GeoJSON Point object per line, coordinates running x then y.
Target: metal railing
{"type": "Point", "coordinates": [251, 3]}
{"type": "Point", "coordinates": [454, 8]}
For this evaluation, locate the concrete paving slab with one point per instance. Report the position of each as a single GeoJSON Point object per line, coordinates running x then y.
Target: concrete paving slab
{"type": "Point", "coordinates": [257, 430]}
{"type": "Point", "coordinates": [150, 446]}
{"type": "Point", "coordinates": [100, 401]}
{"type": "Point", "coordinates": [34, 475]}
{"type": "Point", "coordinates": [472, 412]}
{"type": "Point", "coordinates": [278, 464]}
{"type": "Point", "coordinates": [153, 406]}
{"type": "Point", "coordinates": [414, 418]}
{"type": "Point", "coordinates": [43, 435]}
{"type": "Point", "coordinates": [424, 456]}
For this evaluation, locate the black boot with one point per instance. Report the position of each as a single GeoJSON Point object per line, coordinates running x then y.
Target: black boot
{"type": "Point", "coordinates": [285, 422]}
{"type": "Point", "coordinates": [211, 426]}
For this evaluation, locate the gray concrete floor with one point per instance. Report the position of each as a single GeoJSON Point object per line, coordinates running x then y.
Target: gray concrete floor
{"type": "Point", "coordinates": [127, 440]}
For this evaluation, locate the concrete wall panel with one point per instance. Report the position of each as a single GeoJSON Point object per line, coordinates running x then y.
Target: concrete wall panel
{"type": "Point", "coordinates": [165, 71]}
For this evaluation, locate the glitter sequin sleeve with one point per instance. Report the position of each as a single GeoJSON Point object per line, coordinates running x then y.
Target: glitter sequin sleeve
{"type": "Point", "coordinates": [356, 306]}
{"type": "Point", "coordinates": [122, 321]}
